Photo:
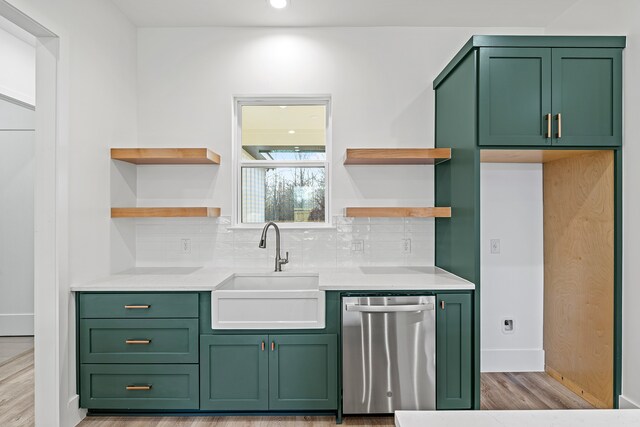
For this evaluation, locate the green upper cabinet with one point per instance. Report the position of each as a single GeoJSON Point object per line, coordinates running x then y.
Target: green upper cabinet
{"type": "Point", "coordinates": [587, 97]}
{"type": "Point", "coordinates": [303, 372]}
{"type": "Point", "coordinates": [234, 372]}
{"type": "Point", "coordinates": [514, 96]}
{"type": "Point", "coordinates": [453, 351]}
{"type": "Point", "coordinates": [547, 91]}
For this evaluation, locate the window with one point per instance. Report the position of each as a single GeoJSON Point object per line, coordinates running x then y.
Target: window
{"type": "Point", "coordinates": [282, 160]}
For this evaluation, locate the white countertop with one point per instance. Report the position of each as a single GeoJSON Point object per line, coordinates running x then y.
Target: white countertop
{"type": "Point", "coordinates": [552, 418]}
{"type": "Point", "coordinates": [336, 279]}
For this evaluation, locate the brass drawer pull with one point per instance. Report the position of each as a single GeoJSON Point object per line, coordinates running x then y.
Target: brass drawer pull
{"type": "Point", "coordinates": [442, 304]}
{"type": "Point", "coordinates": [273, 346]}
{"type": "Point", "coordinates": [262, 346]}
{"type": "Point", "coordinates": [137, 307]}
{"type": "Point", "coordinates": [137, 342]}
{"type": "Point", "coordinates": [139, 387]}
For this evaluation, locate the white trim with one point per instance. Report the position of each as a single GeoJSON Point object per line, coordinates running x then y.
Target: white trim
{"type": "Point", "coordinates": [16, 324]}
{"type": "Point", "coordinates": [236, 154]}
{"type": "Point", "coordinates": [626, 403]}
{"type": "Point", "coordinates": [16, 101]}
{"type": "Point", "coordinates": [507, 360]}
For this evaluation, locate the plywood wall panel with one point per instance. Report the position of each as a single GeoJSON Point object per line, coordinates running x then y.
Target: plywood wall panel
{"type": "Point", "coordinates": [579, 273]}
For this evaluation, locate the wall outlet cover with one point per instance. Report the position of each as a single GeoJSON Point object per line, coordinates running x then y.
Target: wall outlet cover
{"type": "Point", "coordinates": [508, 325]}
{"type": "Point", "coordinates": [357, 245]}
{"type": "Point", "coordinates": [495, 246]}
{"type": "Point", "coordinates": [185, 246]}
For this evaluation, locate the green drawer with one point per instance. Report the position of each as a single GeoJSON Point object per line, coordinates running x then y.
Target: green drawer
{"type": "Point", "coordinates": [138, 305]}
{"type": "Point", "coordinates": [139, 341]}
{"type": "Point", "coordinates": [168, 387]}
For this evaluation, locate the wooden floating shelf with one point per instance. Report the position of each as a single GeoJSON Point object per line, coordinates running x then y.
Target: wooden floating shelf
{"type": "Point", "coordinates": [198, 212]}
{"type": "Point", "coordinates": [396, 156]}
{"type": "Point", "coordinates": [166, 156]}
{"type": "Point", "coordinates": [399, 212]}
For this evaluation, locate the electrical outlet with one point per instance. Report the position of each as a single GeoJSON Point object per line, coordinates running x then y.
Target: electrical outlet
{"type": "Point", "coordinates": [495, 246]}
{"type": "Point", "coordinates": [357, 245]}
{"type": "Point", "coordinates": [185, 246]}
{"type": "Point", "coordinates": [508, 326]}
{"type": "Point", "coordinates": [406, 247]}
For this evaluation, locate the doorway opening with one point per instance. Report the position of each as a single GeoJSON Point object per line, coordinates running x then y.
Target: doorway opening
{"type": "Point", "coordinates": [34, 254]}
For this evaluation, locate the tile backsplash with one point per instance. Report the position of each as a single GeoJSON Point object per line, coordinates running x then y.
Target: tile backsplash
{"type": "Point", "coordinates": [352, 242]}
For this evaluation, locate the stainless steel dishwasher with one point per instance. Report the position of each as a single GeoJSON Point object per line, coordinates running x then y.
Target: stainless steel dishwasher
{"type": "Point", "coordinates": [389, 353]}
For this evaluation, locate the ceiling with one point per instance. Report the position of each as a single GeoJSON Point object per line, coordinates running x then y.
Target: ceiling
{"type": "Point", "coordinates": [356, 13]}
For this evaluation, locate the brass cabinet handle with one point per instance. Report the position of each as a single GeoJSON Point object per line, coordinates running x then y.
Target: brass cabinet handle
{"type": "Point", "coordinates": [134, 307]}
{"type": "Point", "coordinates": [262, 346]}
{"type": "Point", "coordinates": [559, 118]}
{"type": "Point", "coordinates": [137, 342]}
{"type": "Point", "coordinates": [138, 387]}
{"type": "Point", "coordinates": [548, 135]}
{"type": "Point", "coordinates": [442, 304]}
{"type": "Point", "coordinates": [273, 346]}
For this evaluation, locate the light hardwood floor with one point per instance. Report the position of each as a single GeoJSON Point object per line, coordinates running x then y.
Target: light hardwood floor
{"type": "Point", "coordinates": [499, 391]}
{"type": "Point", "coordinates": [10, 347]}
{"type": "Point", "coordinates": [527, 390]}
{"type": "Point", "coordinates": [16, 391]}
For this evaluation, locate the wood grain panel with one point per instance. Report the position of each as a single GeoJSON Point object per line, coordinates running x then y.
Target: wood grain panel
{"type": "Point", "coordinates": [527, 156]}
{"type": "Point", "coordinates": [396, 156]}
{"type": "Point", "coordinates": [579, 273]}
{"type": "Point", "coordinates": [166, 156]}
{"type": "Point", "coordinates": [391, 212]}
{"type": "Point", "coordinates": [197, 212]}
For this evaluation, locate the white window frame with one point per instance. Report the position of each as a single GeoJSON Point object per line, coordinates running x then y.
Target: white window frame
{"type": "Point", "coordinates": [239, 162]}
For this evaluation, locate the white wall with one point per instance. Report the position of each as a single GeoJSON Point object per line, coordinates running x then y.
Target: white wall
{"type": "Point", "coordinates": [621, 17]}
{"type": "Point", "coordinates": [17, 68]}
{"type": "Point", "coordinates": [96, 109]}
{"type": "Point", "coordinates": [16, 218]}
{"type": "Point", "coordinates": [512, 281]}
{"type": "Point", "coordinates": [379, 79]}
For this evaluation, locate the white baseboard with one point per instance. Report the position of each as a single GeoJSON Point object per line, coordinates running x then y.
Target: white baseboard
{"type": "Point", "coordinates": [74, 414]}
{"type": "Point", "coordinates": [626, 403]}
{"type": "Point", "coordinates": [525, 360]}
{"type": "Point", "coordinates": [16, 324]}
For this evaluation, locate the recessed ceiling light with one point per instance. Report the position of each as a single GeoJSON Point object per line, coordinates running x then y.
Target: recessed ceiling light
{"type": "Point", "coordinates": [279, 4]}
{"type": "Point", "coordinates": [291, 132]}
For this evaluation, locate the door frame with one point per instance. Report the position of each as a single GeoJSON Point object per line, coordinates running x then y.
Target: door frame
{"type": "Point", "coordinates": [52, 302]}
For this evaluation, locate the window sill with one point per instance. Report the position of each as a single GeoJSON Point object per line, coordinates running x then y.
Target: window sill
{"type": "Point", "coordinates": [283, 226]}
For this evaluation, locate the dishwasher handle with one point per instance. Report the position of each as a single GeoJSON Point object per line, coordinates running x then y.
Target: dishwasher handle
{"type": "Point", "coordinates": [389, 308]}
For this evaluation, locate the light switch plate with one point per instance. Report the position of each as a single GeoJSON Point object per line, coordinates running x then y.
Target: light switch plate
{"type": "Point", "coordinates": [495, 246]}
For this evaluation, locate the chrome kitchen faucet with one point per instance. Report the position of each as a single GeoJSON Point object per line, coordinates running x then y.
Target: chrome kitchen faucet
{"type": "Point", "coordinates": [263, 244]}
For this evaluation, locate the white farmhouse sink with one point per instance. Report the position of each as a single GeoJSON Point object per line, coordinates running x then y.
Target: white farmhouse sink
{"type": "Point", "coordinates": [268, 301]}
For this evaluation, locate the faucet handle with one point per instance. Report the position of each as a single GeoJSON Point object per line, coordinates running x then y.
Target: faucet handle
{"type": "Point", "coordinates": [286, 260]}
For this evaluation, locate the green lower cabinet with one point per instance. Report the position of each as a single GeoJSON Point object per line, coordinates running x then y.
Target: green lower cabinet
{"type": "Point", "coordinates": [268, 372]}
{"type": "Point", "coordinates": [303, 372]}
{"type": "Point", "coordinates": [453, 351]}
{"type": "Point", "coordinates": [139, 387]}
{"type": "Point", "coordinates": [234, 372]}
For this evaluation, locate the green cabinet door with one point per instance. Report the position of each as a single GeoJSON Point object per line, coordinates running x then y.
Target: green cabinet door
{"type": "Point", "coordinates": [587, 97]}
{"type": "Point", "coordinates": [303, 372]}
{"type": "Point", "coordinates": [453, 351]}
{"type": "Point", "coordinates": [514, 102]}
{"type": "Point", "coordinates": [234, 372]}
